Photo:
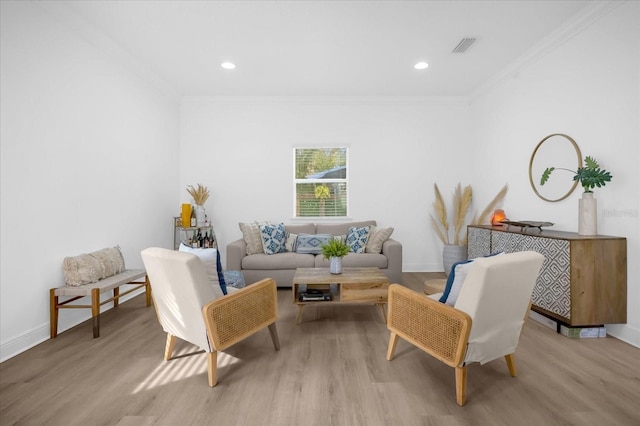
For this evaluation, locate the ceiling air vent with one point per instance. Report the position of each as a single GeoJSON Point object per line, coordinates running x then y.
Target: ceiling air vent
{"type": "Point", "coordinates": [464, 44]}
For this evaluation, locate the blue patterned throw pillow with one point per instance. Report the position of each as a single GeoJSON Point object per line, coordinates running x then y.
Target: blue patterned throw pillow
{"type": "Point", "coordinates": [312, 243]}
{"type": "Point", "coordinates": [274, 238]}
{"type": "Point", "coordinates": [357, 238]}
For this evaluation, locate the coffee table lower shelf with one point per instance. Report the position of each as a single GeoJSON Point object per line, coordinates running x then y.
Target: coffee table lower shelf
{"type": "Point", "coordinates": [353, 286]}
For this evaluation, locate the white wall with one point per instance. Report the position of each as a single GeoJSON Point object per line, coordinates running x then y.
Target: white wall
{"type": "Point", "coordinates": [242, 149]}
{"type": "Point", "coordinates": [589, 89]}
{"type": "Point", "coordinates": [89, 160]}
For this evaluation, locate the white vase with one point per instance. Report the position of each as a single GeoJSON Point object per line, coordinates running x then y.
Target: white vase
{"type": "Point", "coordinates": [451, 254]}
{"type": "Point", "coordinates": [335, 265]}
{"type": "Point", "coordinates": [200, 216]}
{"type": "Point", "coordinates": [588, 214]}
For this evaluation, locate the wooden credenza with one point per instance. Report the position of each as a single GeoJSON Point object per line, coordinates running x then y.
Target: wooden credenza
{"type": "Point", "coordinates": [583, 281]}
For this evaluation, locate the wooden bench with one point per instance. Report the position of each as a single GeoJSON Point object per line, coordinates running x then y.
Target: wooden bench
{"type": "Point", "coordinates": [128, 276]}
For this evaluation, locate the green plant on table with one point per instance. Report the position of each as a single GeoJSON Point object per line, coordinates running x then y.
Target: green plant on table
{"type": "Point", "coordinates": [334, 248]}
{"type": "Point", "coordinates": [589, 176]}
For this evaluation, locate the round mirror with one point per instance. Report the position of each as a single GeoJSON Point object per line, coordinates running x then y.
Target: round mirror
{"type": "Point", "coordinates": [556, 150]}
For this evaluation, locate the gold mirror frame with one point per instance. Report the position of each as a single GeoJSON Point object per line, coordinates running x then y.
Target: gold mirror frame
{"type": "Point", "coordinates": [531, 179]}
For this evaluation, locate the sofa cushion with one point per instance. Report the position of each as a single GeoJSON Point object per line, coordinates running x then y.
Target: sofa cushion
{"type": "Point", "coordinates": [377, 236]}
{"type": "Point", "coordinates": [312, 243]}
{"type": "Point", "coordinates": [357, 238]}
{"type": "Point", "coordinates": [301, 228]}
{"type": "Point", "coordinates": [278, 261]}
{"type": "Point", "coordinates": [273, 238]}
{"type": "Point", "coordinates": [357, 260]}
{"type": "Point", "coordinates": [341, 228]}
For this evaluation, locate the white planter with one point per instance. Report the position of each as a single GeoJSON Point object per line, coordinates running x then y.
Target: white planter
{"type": "Point", "coordinates": [335, 265]}
{"type": "Point", "coordinates": [451, 254]}
{"type": "Point", "coordinates": [200, 216]}
{"type": "Point", "coordinates": [588, 214]}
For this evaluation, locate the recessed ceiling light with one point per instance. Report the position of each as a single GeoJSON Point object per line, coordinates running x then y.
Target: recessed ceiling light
{"type": "Point", "coordinates": [421, 65]}
{"type": "Point", "coordinates": [228, 65]}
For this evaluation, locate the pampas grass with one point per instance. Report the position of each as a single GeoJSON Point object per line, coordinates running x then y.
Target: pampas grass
{"type": "Point", "coordinates": [485, 216]}
{"type": "Point", "coordinates": [461, 204]}
{"type": "Point", "coordinates": [462, 198]}
{"type": "Point", "coordinates": [441, 226]}
{"type": "Point", "coordinates": [200, 194]}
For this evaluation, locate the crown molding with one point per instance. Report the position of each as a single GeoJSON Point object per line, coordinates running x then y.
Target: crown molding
{"type": "Point", "coordinates": [64, 14]}
{"type": "Point", "coordinates": [327, 100]}
{"type": "Point", "coordinates": [581, 21]}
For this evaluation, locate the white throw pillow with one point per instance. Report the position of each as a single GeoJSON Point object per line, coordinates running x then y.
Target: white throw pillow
{"type": "Point", "coordinates": [211, 259]}
{"type": "Point", "coordinates": [252, 237]}
{"type": "Point", "coordinates": [377, 236]}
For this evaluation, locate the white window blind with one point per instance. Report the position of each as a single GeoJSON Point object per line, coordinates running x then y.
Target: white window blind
{"type": "Point", "coordinates": [321, 182]}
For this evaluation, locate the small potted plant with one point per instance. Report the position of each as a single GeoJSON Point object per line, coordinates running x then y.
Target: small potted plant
{"type": "Point", "coordinates": [334, 251]}
{"type": "Point", "coordinates": [589, 176]}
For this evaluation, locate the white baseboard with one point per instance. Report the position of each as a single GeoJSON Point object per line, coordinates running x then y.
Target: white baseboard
{"type": "Point", "coordinates": [33, 337]}
{"type": "Point", "coordinates": [625, 332]}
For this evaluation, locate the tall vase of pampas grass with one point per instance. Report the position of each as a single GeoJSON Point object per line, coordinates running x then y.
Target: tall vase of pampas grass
{"type": "Point", "coordinates": [200, 196]}
{"type": "Point", "coordinates": [455, 250]}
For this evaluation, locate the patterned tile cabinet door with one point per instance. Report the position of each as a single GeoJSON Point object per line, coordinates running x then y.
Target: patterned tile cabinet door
{"type": "Point", "coordinates": [552, 290]}
{"type": "Point", "coordinates": [478, 242]}
{"type": "Point", "coordinates": [582, 280]}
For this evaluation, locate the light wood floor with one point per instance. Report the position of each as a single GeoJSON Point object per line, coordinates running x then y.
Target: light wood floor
{"type": "Point", "coordinates": [331, 370]}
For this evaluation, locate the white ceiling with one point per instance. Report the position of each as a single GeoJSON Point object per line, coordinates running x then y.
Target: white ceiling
{"type": "Point", "coordinates": [326, 48]}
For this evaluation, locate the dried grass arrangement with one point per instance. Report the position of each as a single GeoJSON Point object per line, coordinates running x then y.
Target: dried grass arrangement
{"type": "Point", "coordinates": [200, 194]}
{"type": "Point", "coordinates": [462, 198]}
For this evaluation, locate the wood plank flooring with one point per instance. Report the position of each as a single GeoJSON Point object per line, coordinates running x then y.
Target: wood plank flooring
{"type": "Point", "coordinates": [331, 370]}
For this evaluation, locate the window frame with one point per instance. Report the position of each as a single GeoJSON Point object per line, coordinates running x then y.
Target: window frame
{"type": "Point", "coordinates": [314, 181]}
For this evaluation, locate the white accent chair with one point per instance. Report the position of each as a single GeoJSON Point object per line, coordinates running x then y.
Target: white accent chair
{"type": "Point", "coordinates": [484, 324]}
{"type": "Point", "coordinates": [191, 308]}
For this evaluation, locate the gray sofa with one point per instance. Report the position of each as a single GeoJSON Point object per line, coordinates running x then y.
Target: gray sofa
{"type": "Point", "coordinates": [282, 266]}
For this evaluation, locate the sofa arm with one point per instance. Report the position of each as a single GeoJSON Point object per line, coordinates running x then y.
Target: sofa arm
{"type": "Point", "coordinates": [392, 249]}
{"type": "Point", "coordinates": [235, 252]}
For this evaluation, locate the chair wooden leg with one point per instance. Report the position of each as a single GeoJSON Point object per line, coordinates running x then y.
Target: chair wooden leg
{"type": "Point", "coordinates": [147, 289]}
{"type": "Point", "coordinates": [511, 364]}
{"type": "Point", "coordinates": [53, 313]}
{"type": "Point", "coordinates": [393, 341]}
{"type": "Point", "coordinates": [461, 385]}
{"type": "Point", "coordinates": [116, 297]}
{"type": "Point", "coordinates": [212, 367]}
{"type": "Point", "coordinates": [273, 331]}
{"type": "Point", "coordinates": [168, 347]}
{"type": "Point", "coordinates": [384, 311]}
{"type": "Point", "coordinates": [95, 311]}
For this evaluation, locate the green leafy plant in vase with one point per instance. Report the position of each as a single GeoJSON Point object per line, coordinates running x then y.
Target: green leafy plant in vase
{"type": "Point", "coordinates": [334, 251]}
{"type": "Point", "coordinates": [589, 176]}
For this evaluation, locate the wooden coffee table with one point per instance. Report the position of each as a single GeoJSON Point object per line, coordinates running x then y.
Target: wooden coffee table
{"type": "Point", "coordinates": [353, 285]}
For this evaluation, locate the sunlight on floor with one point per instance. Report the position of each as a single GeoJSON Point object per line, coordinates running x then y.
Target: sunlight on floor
{"type": "Point", "coordinates": [181, 367]}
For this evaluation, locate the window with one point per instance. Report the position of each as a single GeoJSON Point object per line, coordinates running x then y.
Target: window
{"type": "Point", "coordinates": [320, 180]}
